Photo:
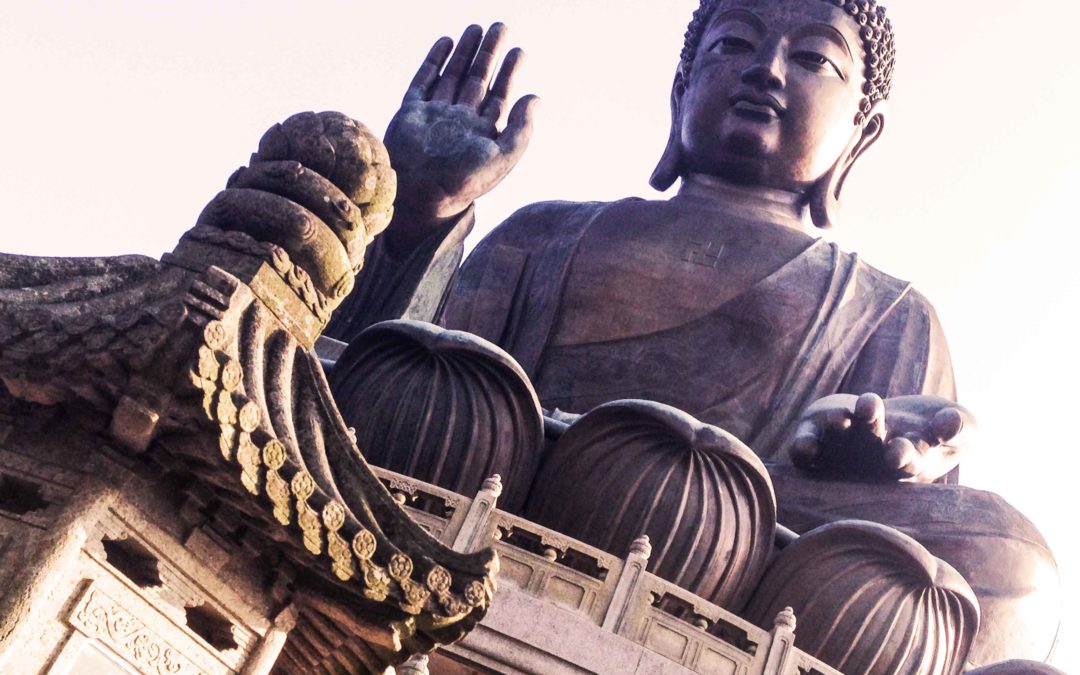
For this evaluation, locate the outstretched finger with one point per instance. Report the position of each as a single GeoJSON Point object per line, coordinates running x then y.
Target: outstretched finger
{"type": "Point", "coordinates": [493, 106]}
{"type": "Point", "coordinates": [429, 70]}
{"type": "Point", "coordinates": [472, 89]}
{"type": "Point", "coordinates": [459, 62]}
{"type": "Point", "coordinates": [515, 138]}
{"type": "Point", "coordinates": [804, 446]}
{"type": "Point", "coordinates": [870, 411]}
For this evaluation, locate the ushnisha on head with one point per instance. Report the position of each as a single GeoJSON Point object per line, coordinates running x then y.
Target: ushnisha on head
{"type": "Point", "coordinates": [766, 92]}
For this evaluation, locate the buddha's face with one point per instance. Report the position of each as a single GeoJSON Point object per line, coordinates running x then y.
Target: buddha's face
{"type": "Point", "coordinates": [773, 92]}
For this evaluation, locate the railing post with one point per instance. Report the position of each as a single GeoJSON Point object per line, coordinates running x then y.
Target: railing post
{"type": "Point", "coordinates": [628, 585]}
{"type": "Point", "coordinates": [472, 533]}
{"type": "Point", "coordinates": [781, 643]}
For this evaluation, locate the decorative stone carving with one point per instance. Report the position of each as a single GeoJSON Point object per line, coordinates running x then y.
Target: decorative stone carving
{"type": "Point", "coordinates": [443, 406]}
{"type": "Point", "coordinates": [100, 617]}
{"type": "Point", "coordinates": [75, 329]}
{"type": "Point", "coordinates": [636, 467]}
{"type": "Point", "coordinates": [202, 364]}
{"type": "Point", "coordinates": [871, 600]}
{"type": "Point", "coordinates": [317, 192]}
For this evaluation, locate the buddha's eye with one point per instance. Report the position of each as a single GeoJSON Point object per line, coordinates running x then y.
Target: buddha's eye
{"type": "Point", "coordinates": [818, 63]}
{"type": "Point", "coordinates": [732, 45]}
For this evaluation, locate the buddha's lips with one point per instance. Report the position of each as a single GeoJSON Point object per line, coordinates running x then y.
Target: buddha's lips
{"type": "Point", "coordinates": [757, 105]}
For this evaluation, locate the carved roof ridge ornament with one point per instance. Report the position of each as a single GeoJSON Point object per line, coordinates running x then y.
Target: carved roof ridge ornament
{"type": "Point", "coordinates": [204, 361]}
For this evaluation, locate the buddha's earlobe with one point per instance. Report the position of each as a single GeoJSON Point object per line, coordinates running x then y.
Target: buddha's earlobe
{"type": "Point", "coordinates": [824, 196]}
{"type": "Point", "coordinates": [670, 165]}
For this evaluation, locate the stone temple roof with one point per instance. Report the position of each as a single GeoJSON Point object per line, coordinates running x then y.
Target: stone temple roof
{"type": "Point", "coordinates": [202, 363]}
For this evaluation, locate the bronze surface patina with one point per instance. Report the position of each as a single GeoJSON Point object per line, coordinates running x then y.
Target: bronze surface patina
{"type": "Point", "coordinates": [764, 425]}
{"type": "Point", "coordinates": [720, 301]}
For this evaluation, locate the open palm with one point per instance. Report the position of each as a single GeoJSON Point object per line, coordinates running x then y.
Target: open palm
{"type": "Point", "coordinates": [444, 142]}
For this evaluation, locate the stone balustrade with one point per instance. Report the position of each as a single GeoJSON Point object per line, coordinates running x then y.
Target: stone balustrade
{"type": "Point", "coordinates": [585, 610]}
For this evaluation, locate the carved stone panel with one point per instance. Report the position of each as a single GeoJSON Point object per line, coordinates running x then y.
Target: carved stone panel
{"type": "Point", "coordinates": [101, 618]}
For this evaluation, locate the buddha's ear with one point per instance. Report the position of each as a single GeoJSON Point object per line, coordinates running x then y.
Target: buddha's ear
{"type": "Point", "coordinates": [667, 170]}
{"type": "Point", "coordinates": [825, 194]}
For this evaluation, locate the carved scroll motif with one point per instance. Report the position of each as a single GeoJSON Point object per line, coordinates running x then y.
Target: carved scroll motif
{"type": "Point", "coordinates": [333, 517]}
{"type": "Point", "coordinates": [100, 617]}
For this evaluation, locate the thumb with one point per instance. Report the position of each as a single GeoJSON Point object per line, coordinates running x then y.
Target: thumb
{"type": "Point", "coordinates": [515, 138]}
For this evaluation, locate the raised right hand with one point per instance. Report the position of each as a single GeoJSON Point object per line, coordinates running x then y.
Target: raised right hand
{"type": "Point", "coordinates": [444, 142]}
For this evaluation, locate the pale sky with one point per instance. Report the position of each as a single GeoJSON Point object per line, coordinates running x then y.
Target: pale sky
{"type": "Point", "coordinates": [122, 119]}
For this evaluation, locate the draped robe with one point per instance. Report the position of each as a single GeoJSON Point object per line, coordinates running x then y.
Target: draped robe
{"type": "Point", "coordinates": [824, 323]}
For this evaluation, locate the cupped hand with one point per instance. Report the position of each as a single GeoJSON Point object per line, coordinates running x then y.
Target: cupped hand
{"type": "Point", "coordinates": [911, 438]}
{"type": "Point", "coordinates": [445, 142]}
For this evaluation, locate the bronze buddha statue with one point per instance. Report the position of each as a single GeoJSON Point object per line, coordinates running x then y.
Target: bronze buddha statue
{"type": "Point", "coordinates": [719, 301]}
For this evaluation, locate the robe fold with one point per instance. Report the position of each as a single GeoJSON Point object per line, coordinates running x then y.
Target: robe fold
{"type": "Point", "coordinates": [829, 322]}
{"type": "Point", "coordinates": [858, 330]}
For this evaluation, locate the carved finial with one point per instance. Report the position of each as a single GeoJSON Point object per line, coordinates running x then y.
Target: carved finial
{"type": "Point", "coordinates": [493, 485]}
{"type": "Point", "coordinates": [313, 197]}
{"type": "Point", "coordinates": [641, 547]}
{"type": "Point", "coordinates": [785, 619]}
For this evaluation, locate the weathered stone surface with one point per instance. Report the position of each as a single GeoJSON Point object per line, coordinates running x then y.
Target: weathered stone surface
{"type": "Point", "coordinates": [199, 371]}
{"type": "Point", "coordinates": [315, 195]}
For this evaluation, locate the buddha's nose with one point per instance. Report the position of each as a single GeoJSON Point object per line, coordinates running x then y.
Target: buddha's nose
{"type": "Point", "coordinates": [767, 70]}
